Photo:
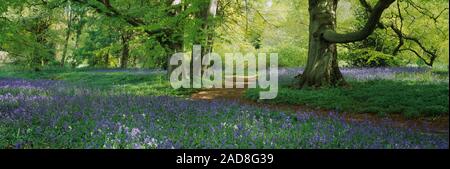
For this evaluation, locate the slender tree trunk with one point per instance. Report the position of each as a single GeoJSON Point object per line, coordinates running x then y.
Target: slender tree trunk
{"type": "Point", "coordinates": [125, 49]}
{"type": "Point", "coordinates": [210, 26]}
{"type": "Point", "coordinates": [134, 61]}
{"type": "Point", "coordinates": [207, 12]}
{"type": "Point", "coordinates": [39, 58]}
{"type": "Point", "coordinates": [322, 66]}
{"type": "Point", "coordinates": [106, 59]}
{"type": "Point", "coordinates": [81, 23]}
{"type": "Point", "coordinates": [177, 44]}
{"type": "Point", "coordinates": [176, 47]}
{"type": "Point", "coordinates": [80, 26]}
{"type": "Point", "coordinates": [69, 31]}
{"type": "Point", "coordinates": [200, 15]}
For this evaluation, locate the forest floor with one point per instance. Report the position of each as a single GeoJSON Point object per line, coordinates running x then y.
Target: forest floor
{"type": "Point", "coordinates": [432, 125]}
{"type": "Point", "coordinates": [139, 109]}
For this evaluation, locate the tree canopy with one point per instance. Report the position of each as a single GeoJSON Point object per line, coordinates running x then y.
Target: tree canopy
{"type": "Point", "coordinates": [138, 33]}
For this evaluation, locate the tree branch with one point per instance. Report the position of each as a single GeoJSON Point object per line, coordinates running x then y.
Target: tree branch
{"type": "Point", "coordinates": [110, 11]}
{"type": "Point", "coordinates": [432, 53]}
{"type": "Point", "coordinates": [372, 22]}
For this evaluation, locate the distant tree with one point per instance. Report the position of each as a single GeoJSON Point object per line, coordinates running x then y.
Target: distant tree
{"type": "Point", "coordinates": [70, 19]}
{"type": "Point", "coordinates": [126, 37]}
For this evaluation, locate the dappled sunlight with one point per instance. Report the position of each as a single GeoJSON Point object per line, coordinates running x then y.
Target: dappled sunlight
{"type": "Point", "coordinates": [193, 74]}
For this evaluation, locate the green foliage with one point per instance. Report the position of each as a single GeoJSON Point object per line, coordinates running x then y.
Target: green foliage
{"type": "Point", "coordinates": [426, 21]}
{"type": "Point", "coordinates": [291, 56]}
{"type": "Point", "coordinates": [34, 33]}
{"type": "Point", "coordinates": [29, 41]}
{"type": "Point", "coordinates": [370, 58]}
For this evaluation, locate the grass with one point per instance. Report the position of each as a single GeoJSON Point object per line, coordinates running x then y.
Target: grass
{"type": "Point", "coordinates": [137, 83]}
{"type": "Point", "coordinates": [411, 95]}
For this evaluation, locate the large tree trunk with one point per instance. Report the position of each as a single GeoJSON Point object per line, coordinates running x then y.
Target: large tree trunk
{"type": "Point", "coordinates": [322, 66]}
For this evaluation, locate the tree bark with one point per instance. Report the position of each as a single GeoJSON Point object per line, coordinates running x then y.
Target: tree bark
{"type": "Point", "coordinates": [322, 67]}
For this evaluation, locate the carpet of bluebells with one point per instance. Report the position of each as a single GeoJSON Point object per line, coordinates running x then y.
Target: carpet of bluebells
{"type": "Point", "coordinates": [53, 114]}
{"type": "Point", "coordinates": [360, 74]}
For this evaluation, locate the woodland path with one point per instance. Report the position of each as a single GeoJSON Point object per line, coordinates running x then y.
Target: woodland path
{"type": "Point", "coordinates": [427, 125]}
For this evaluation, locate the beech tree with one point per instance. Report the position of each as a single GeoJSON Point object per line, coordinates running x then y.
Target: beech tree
{"type": "Point", "coordinates": [322, 67]}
